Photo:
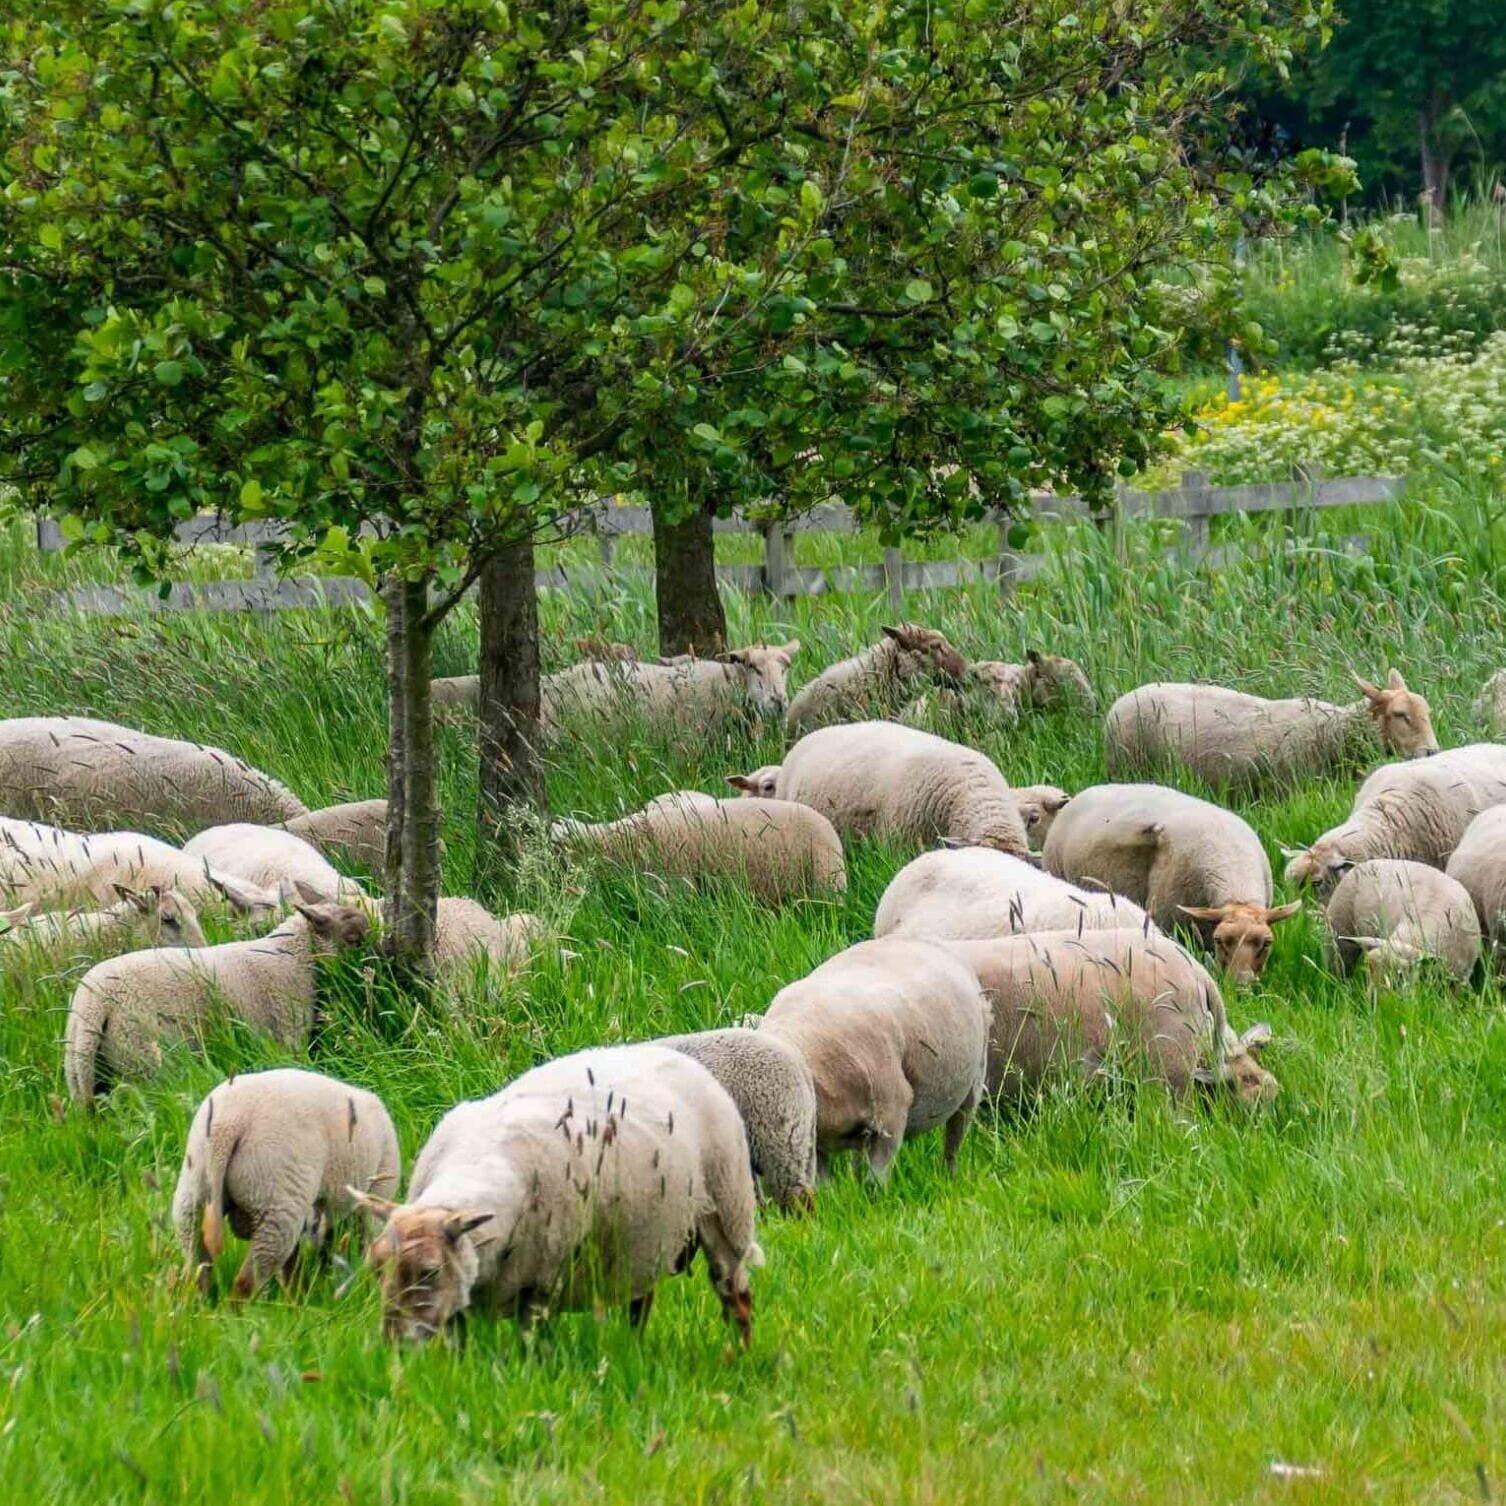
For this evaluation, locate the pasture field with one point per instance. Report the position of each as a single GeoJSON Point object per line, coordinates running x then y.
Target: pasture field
{"type": "Point", "coordinates": [1113, 1301]}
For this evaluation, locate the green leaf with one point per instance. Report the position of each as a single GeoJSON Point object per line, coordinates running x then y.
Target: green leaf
{"type": "Point", "coordinates": [918, 290]}
{"type": "Point", "coordinates": [168, 373]}
{"type": "Point", "coordinates": [251, 495]}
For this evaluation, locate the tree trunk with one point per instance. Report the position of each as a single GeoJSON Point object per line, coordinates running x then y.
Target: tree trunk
{"type": "Point", "coordinates": [412, 806]}
{"type": "Point", "coordinates": [1436, 160]}
{"type": "Point", "coordinates": [691, 619]}
{"type": "Point", "coordinates": [511, 771]}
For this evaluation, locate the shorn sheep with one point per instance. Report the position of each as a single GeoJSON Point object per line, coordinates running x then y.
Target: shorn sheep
{"type": "Point", "coordinates": [269, 857]}
{"type": "Point", "coordinates": [274, 1155]}
{"type": "Point", "coordinates": [1479, 864]}
{"type": "Point", "coordinates": [586, 1180]}
{"type": "Point", "coordinates": [895, 1033]}
{"type": "Point", "coordinates": [778, 848]}
{"type": "Point", "coordinates": [1229, 738]}
{"type": "Point", "coordinates": [882, 779]}
{"type": "Point", "coordinates": [1395, 913]}
{"type": "Point", "coordinates": [1063, 1002]}
{"type": "Point", "coordinates": [97, 776]}
{"type": "Point", "coordinates": [356, 830]}
{"type": "Point", "coordinates": [1418, 810]}
{"type": "Point", "coordinates": [124, 1009]}
{"type": "Point", "coordinates": [877, 681]}
{"type": "Point", "coordinates": [1181, 858]}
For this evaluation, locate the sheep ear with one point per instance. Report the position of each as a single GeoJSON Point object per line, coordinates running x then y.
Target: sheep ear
{"type": "Point", "coordinates": [13, 918]}
{"type": "Point", "coordinates": [1366, 943]}
{"type": "Point", "coordinates": [1257, 1038]}
{"type": "Point", "coordinates": [900, 635]}
{"type": "Point", "coordinates": [244, 897]}
{"type": "Point", "coordinates": [377, 1207]}
{"type": "Point", "coordinates": [1394, 681]}
{"type": "Point", "coordinates": [1207, 1078]}
{"type": "Point", "coordinates": [1283, 912]}
{"type": "Point", "coordinates": [1055, 803]}
{"type": "Point", "coordinates": [788, 650]}
{"type": "Point", "coordinates": [320, 916]}
{"type": "Point", "coordinates": [458, 1224]}
{"type": "Point", "coordinates": [308, 894]}
{"type": "Point", "coordinates": [1301, 867]}
{"type": "Point", "coordinates": [742, 782]}
{"type": "Point", "coordinates": [132, 897]}
{"type": "Point", "coordinates": [1202, 912]}
{"type": "Point", "coordinates": [1369, 691]}
{"type": "Point", "coordinates": [1032, 657]}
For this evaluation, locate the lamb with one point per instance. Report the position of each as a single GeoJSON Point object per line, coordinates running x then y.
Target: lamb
{"type": "Point", "coordinates": [768, 1080]}
{"type": "Point", "coordinates": [1418, 810]}
{"type": "Point", "coordinates": [1229, 738]}
{"type": "Point", "coordinates": [879, 778]}
{"type": "Point", "coordinates": [895, 1033]}
{"type": "Point", "coordinates": [999, 691]}
{"type": "Point", "coordinates": [1490, 704]}
{"type": "Point", "coordinates": [585, 1180]}
{"type": "Point", "coordinates": [878, 680]}
{"type": "Point", "coordinates": [778, 848]}
{"type": "Point", "coordinates": [974, 892]}
{"type": "Point", "coordinates": [356, 830]}
{"type": "Point", "coordinates": [270, 858]}
{"type": "Point", "coordinates": [124, 1009]}
{"type": "Point", "coordinates": [95, 776]}
{"type": "Point", "coordinates": [1060, 1000]}
{"type": "Point", "coordinates": [1479, 863]}
{"type": "Point", "coordinates": [1179, 857]}
{"type": "Point", "coordinates": [149, 917]}
{"type": "Point", "coordinates": [57, 868]}
{"type": "Point", "coordinates": [1395, 913]}
{"type": "Point", "coordinates": [1039, 805]}
{"type": "Point", "coordinates": [275, 1154]}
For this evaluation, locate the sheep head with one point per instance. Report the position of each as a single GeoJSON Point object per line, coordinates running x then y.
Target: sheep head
{"type": "Point", "coordinates": [1239, 1074]}
{"type": "Point", "coordinates": [1241, 934]}
{"type": "Point", "coordinates": [761, 783]}
{"type": "Point", "coordinates": [763, 667]}
{"type": "Point", "coordinates": [924, 653]}
{"type": "Point", "coordinates": [171, 919]}
{"type": "Point", "coordinates": [1403, 720]}
{"type": "Point", "coordinates": [335, 927]}
{"type": "Point", "coordinates": [1322, 865]}
{"type": "Point", "coordinates": [1040, 805]}
{"type": "Point", "coordinates": [1054, 680]}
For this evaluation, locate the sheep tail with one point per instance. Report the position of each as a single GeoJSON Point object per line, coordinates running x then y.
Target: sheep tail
{"type": "Point", "coordinates": [220, 1158]}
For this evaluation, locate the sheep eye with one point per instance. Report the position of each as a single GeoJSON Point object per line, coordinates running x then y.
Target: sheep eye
{"type": "Point", "coordinates": [1402, 716]}
{"type": "Point", "coordinates": [170, 921]}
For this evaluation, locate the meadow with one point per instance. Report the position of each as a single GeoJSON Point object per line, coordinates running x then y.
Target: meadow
{"type": "Point", "coordinates": [1113, 1301]}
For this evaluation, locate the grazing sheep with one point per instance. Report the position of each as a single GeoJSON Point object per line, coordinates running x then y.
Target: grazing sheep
{"type": "Point", "coordinates": [996, 692]}
{"type": "Point", "coordinates": [1229, 738]}
{"type": "Point", "coordinates": [595, 646]}
{"type": "Point", "coordinates": [778, 848]}
{"type": "Point", "coordinates": [1179, 857]}
{"type": "Point", "coordinates": [1062, 1001]}
{"type": "Point", "coordinates": [768, 1080]}
{"type": "Point", "coordinates": [877, 681]}
{"type": "Point", "coordinates": [149, 917]}
{"type": "Point", "coordinates": [1418, 810]}
{"type": "Point", "coordinates": [270, 858]}
{"type": "Point", "coordinates": [585, 1180]}
{"type": "Point", "coordinates": [1395, 912]}
{"type": "Point", "coordinates": [94, 776]}
{"type": "Point", "coordinates": [1490, 704]}
{"type": "Point", "coordinates": [975, 892]}
{"type": "Point", "coordinates": [1479, 863]}
{"type": "Point", "coordinates": [895, 1033]}
{"type": "Point", "coordinates": [1039, 805]}
{"type": "Point", "coordinates": [123, 1009]}
{"type": "Point", "coordinates": [356, 830]}
{"type": "Point", "coordinates": [879, 778]}
{"type": "Point", "coordinates": [275, 1155]}
{"type": "Point", "coordinates": [57, 868]}
{"type": "Point", "coordinates": [467, 931]}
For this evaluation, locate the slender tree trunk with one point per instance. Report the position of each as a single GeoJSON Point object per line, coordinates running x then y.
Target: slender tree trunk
{"type": "Point", "coordinates": [412, 804]}
{"type": "Point", "coordinates": [511, 771]}
{"type": "Point", "coordinates": [691, 619]}
{"type": "Point", "coordinates": [1435, 159]}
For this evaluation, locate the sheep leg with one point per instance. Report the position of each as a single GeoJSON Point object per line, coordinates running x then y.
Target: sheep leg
{"type": "Point", "coordinates": [274, 1244]}
{"type": "Point", "coordinates": [956, 1128]}
{"type": "Point", "coordinates": [640, 1308]}
{"type": "Point", "coordinates": [886, 1132]}
{"type": "Point", "coordinates": [188, 1218]}
{"type": "Point", "coordinates": [729, 1278]}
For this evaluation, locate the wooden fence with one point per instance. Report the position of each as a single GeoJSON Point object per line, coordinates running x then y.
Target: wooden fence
{"type": "Point", "coordinates": [1194, 504]}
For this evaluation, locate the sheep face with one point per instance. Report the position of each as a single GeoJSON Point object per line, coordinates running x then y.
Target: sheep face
{"type": "Point", "coordinates": [335, 927]}
{"type": "Point", "coordinates": [1403, 720]}
{"type": "Point", "coordinates": [1242, 935]}
{"type": "Point", "coordinates": [1057, 681]}
{"type": "Point", "coordinates": [427, 1263]}
{"type": "Point", "coordinates": [1039, 806]}
{"type": "Point", "coordinates": [763, 667]}
{"type": "Point", "coordinates": [1322, 865]}
{"type": "Point", "coordinates": [171, 919]}
{"type": "Point", "coordinates": [759, 784]}
{"type": "Point", "coordinates": [1240, 1075]}
{"type": "Point", "coordinates": [1388, 962]}
{"type": "Point", "coordinates": [924, 654]}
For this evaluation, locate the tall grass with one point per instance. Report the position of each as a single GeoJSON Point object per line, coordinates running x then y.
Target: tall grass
{"type": "Point", "coordinates": [1118, 1303]}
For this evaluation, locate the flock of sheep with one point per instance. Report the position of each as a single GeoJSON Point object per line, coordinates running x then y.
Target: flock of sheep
{"type": "Point", "coordinates": [1035, 938]}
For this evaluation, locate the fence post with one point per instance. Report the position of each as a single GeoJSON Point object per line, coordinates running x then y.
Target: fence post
{"type": "Point", "coordinates": [1009, 561]}
{"type": "Point", "coordinates": [777, 573]}
{"type": "Point", "coordinates": [1195, 524]}
{"type": "Point", "coordinates": [894, 582]}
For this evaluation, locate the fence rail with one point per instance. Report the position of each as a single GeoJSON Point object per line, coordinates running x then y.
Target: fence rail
{"type": "Point", "coordinates": [1194, 504]}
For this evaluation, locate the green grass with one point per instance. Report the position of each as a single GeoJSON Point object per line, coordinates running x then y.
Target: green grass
{"type": "Point", "coordinates": [1118, 1302]}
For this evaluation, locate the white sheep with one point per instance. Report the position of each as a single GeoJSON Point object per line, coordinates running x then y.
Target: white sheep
{"type": "Point", "coordinates": [124, 1009]}
{"type": "Point", "coordinates": [356, 830]}
{"type": "Point", "coordinates": [975, 892]}
{"type": "Point", "coordinates": [95, 776]}
{"type": "Point", "coordinates": [150, 917]}
{"type": "Point", "coordinates": [778, 848]}
{"type": "Point", "coordinates": [1063, 1001]}
{"type": "Point", "coordinates": [1418, 810]}
{"type": "Point", "coordinates": [467, 932]}
{"type": "Point", "coordinates": [882, 779]}
{"type": "Point", "coordinates": [1229, 738]}
{"type": "Point", "coordinates": [1395, 913]}
{"type": "Point", "coordinates": [1479, 864]}
{"type": "Point", "coordinates": [1490, 705]}
{"type": "Point", "coordinates": [895, 1033]}
{"type": "Point", "coordinates": [585, 1180]}
{"type": "Point", "coordinates": [271, 858]}
{"type": "Point", "coordinates": [274, 1154]}
{"type": "Point", "coordinates": [768, 1080]}
{"type": "Point", "coordinates": [1179, 857]}
{"type": "Point", "coordinates": [1039, 805]}
{"type": "Point", "coordinates": [877, 681]}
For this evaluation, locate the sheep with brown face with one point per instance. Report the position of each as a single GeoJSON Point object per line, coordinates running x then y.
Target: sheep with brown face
{"type": "Point", "coordinates": [583, 1182]}
{"type": "Point", "coordinates": [878, 681]}
{"type": "Point", "coordinates": [1229, 738]}
{"type": "Point", "coordinates": [1181, 858]}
